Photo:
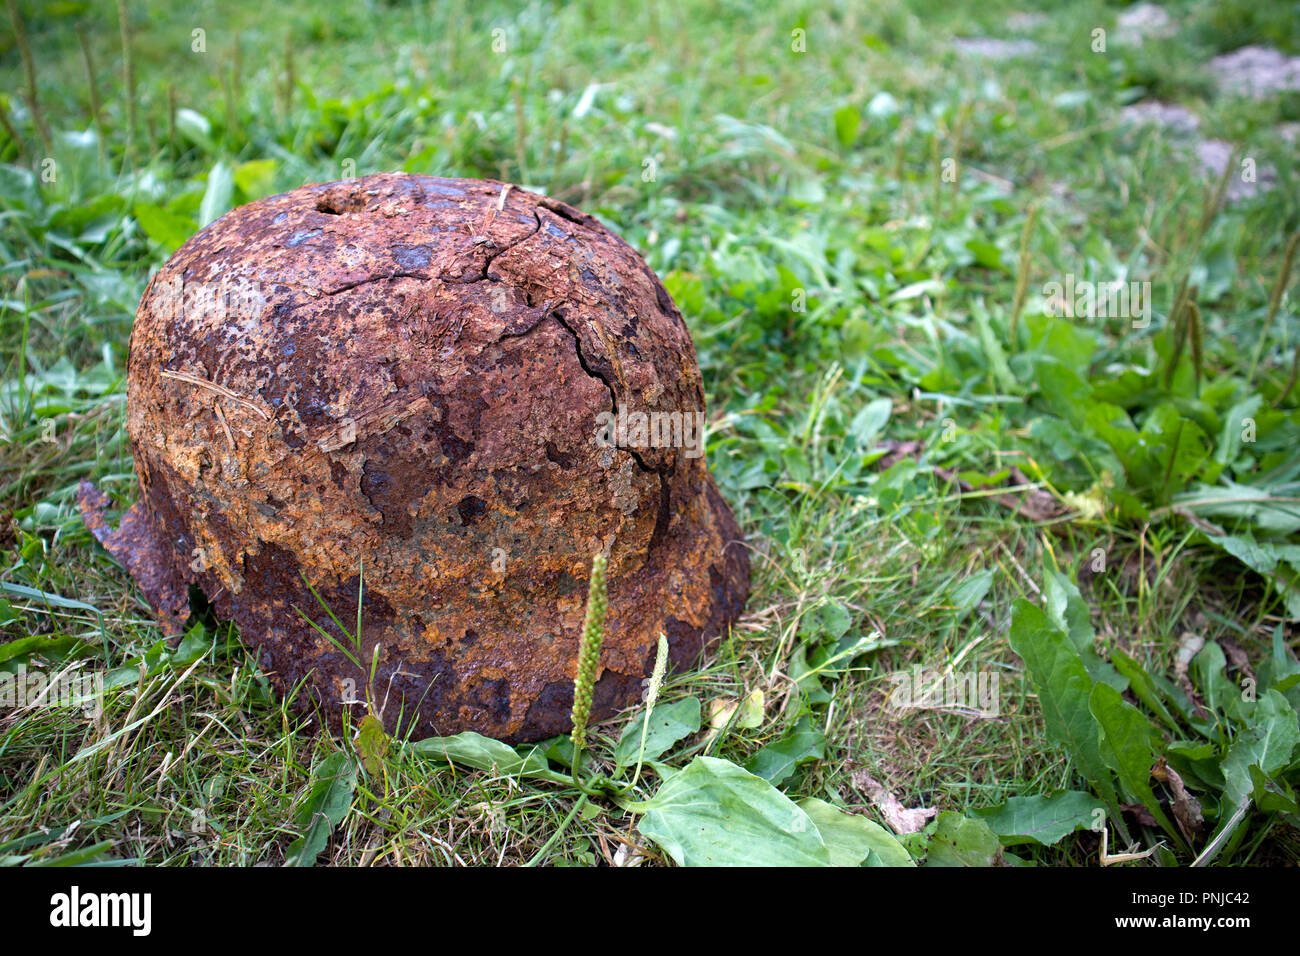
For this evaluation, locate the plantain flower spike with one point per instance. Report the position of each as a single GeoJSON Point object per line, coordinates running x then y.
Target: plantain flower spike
{"type": "Point", "coordinates": [593, 633]}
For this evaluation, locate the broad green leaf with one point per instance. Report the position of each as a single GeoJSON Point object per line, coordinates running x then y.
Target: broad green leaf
{"type": "Point", "coordinates": [749, 711]}
{"type": "Point", "coordinates": [1267, 558]}
{"type": "Point", "coordinates": [1063, 686]}
{"type": "Point", "coordinates": [828, 660]}
{"type": "Point", "coordinates": [39, 644]}
{"type": "Point", "coordinates": [1230, 441]}
{"type": "Point", "coordinates": [1071, 344]}
{"type": "Point", "coordinates": [713, 813]}
{"type": "Point", "coordinates": [1065, 392]}
{"type": "Point", "coordinates": [1169, 453]}
{"type": "Point", "coordinates": [18, 186]}
{"type": "Point", "coordinates": [164, 227]}
{"type": "Point", "coordinates": [1198, 762]}
{"type": "Point", "coordinates": [1175, 696]}
{"type": "Point", "coordinates": [193, 646]}
{"type": "Point", "coordinates": [870, 421]}
{"type": "Point", "coordinates": [1065, 441]}
{"type": "Point", "coordinates": [1067, 610]}
{"type": "Point", "coordinates": [989, 256]}
{"type": "Point", "coordinates": [1266, 743]}
{"type": "Point", "coordinates": [327, 804]}
{"type": "Point", "coordinates": [1042, 819]}
{"type": "Point", "coordinates": [776, 761]}
{"type": "Point", "coordinates": [806, 677]}
{"type": "Point", "coordinates": [255, 178]}
{"type": "Point", "coordinates": [827, 622]}
{"type": "Point", "coordinates": [852, 839]}
{"type": "Point", "coordinates": [1265, 509]}
{"type": "Point", "coordinates": [669, 723]}
{"type": "Point", "coordinates": [887, 850]}
{"type": "Point", "coordinates": [1126, 747]}
{"type": "Point", "coordinates": [1193, 750]}
{"type": "Point", "coordinates": [470, 749]}
{"type": "Point", "coordinates": [331, 792]}
{"type": "Point", "coordinates": [959, 840]}
{"type": "Point", "coordinates": [1112, 425]}
{"type": "Point", "coordinates": [93, 221]}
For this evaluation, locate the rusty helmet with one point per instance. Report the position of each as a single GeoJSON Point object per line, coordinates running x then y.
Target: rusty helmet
{"type": "Point", "coordinates": [438, 398]}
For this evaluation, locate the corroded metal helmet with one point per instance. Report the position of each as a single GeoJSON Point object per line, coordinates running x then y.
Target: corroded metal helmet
{"type": "Point", "coordinates": [455, 392]}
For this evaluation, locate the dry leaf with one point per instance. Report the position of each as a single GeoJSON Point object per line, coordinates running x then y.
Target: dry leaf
{"type": "Point", "coordinates": [1236, 656]}
{"type": "Point", "coordinates": [1187, 809]}
{"type": "Point", "coordinates": [1189, 645]}
{"type": "Point", "coordinates": [1139, 813]}
{"type": "Point", "coordinates": [1035, 504]}
{"type": "Point", "coordinates": [896, 452]}
{"type": "Point", "coordinates": [720, 713]}
{"type": "Point", "coordinates": [899, 818]}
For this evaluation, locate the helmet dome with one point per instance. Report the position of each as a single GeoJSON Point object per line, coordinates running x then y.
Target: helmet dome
{"type": "Point", "coordinates": [456, 390]}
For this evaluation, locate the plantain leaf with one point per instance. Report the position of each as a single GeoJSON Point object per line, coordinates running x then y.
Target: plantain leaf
{"type": "Point", "coordinates": [484, 753]}
{"type": "Point", "coordinates": [852, 839]}
{"type": "Point", "coordinates": [778, 760]}
{"type": "Point", "coordinates": [713, 813]}
{"type": "Point", "coordinates": [960, 840]}
{"type": "Point", "coordinates": [668, 724]}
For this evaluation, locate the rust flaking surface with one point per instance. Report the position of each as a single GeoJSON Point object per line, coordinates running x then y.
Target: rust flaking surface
{"type": "Point", "coordinates": [404, 373]}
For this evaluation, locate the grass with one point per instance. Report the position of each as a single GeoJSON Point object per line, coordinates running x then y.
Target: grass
{"type": "Point", "coordinates": [780, 178]}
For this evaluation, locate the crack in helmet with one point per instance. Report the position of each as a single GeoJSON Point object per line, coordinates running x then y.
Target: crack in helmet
{"type": "Point", "coordinates": [452, 393]}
